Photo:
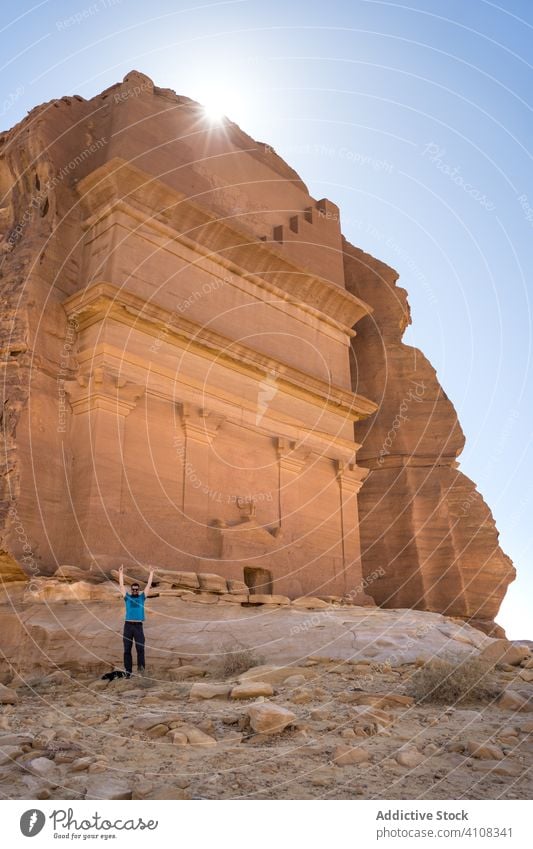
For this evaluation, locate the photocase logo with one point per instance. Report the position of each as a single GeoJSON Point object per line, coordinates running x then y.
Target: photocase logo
{"type": "Point", "coordinates": [32, 822]}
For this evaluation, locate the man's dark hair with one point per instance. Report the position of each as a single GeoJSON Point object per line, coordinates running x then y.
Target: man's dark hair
{"type": "Point", "coordinates": [135, 586]}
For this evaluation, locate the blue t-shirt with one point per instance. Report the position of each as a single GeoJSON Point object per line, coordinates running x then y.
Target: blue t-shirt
{"type": "Point", "coordinates": [134, 607]}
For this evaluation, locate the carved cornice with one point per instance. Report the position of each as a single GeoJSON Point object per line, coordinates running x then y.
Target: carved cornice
{"type": "Point", "coordinates": [104, 301]}
{"type": "Point", "coordinates": [157, 205]}
{"type": "Point", "coordinates": [101, 390]}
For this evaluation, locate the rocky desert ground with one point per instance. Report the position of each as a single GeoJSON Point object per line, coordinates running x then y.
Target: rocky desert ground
{"type": "Point", "coordinates": [262, 702]}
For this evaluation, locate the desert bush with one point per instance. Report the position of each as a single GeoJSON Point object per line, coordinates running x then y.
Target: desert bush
{"type": "Point", "coordinates": [454, 681]}
{"type": "Point", "coordinates": [233, 660]}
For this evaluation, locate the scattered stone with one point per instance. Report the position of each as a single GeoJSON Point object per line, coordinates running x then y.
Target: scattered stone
{"type": "Point", "coordinates": [483, 751]}
{"type": "Point", "coordinates": [269, 718]}
{"type": "Point", "coordinates": [370, 719]}
{"type": "Point", "coordinates": [512, 700]}
{"type": "Point", "coordinates": [181, 673]}
{"type": "Point", "coordinates": [81, 764]}
{"type": "Point", "coordinates": [43, 767]}
{"type": "Point", "coordinates": [195, 737]}
{"type": "Point", "coordinates": [107, 789]}
{"type": "Point", "coordinates": [158, 730]}
{"type": "Point", "coordinates": [385, 701]}
{"type": "Point", "coordinates": [346, 755]}
{"type": "Point", "coordinates": [9, 753]}
{"type": "Point", "coordinates": [294, 680]}
{"type": "Point", "coordinates": [20, 739]}
{"type": "Point", "coordinates": [324, 777]}
{"type": "Point", "coordinates": [252, 690]}
{"type": "Point", "coordinates": [409, 757]}
{"type": "Point", "coordinates": [275, 674]}
{"type": "Point", "coordinates": [526, 675]}
{"type": "Point", "coordinates": [503, 651]}
{"type": "Point", "coordinates": [209, 691]}
{"type": "Point", "coordinates": [178, 738]}
{"type": "Point", "coordinates": [301, 697]}
{"type": "Point", "coordinates": [507, 769]}
{"type": "Point", "coordinates": [8, 696]}
{"type": "Point", "coordinates": [98, 766]}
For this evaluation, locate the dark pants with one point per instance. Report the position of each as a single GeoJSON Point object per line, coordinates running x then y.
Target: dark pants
{"type": "Point", "coordinates": [133, 631]}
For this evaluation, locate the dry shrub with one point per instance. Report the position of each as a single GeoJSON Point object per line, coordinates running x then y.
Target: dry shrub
{"type": "Point", "coordinates": [454, 681]}
{"type": "Point", "coordinates": [232, 661]}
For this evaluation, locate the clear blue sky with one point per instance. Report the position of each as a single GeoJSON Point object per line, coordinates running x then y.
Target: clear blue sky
{"type": "Point", "coordinates": [415, 117]}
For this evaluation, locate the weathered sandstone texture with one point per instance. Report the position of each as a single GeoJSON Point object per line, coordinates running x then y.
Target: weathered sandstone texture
{"type": "Point", "coordinates": [419, 514]}
{"type": "Point", "coordinates": [187, 347]}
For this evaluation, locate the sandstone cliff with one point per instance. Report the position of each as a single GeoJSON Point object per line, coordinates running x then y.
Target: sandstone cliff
{"type": "Point", "coordinates": [422, 523]}
{"type": "Point", "coordinates": [420, 517]}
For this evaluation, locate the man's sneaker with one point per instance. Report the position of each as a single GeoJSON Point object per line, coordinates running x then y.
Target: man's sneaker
{"type": "Point", "coordinates": [127, 675]}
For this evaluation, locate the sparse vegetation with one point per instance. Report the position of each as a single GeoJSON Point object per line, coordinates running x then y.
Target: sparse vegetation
{"type": "Point", "coordinates": [233, 660]}
{"type": "Point", "coordinates": [454, 681]}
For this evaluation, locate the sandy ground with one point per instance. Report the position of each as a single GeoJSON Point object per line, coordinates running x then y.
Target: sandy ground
{"type": "Point", "coordinates": [78, 737]}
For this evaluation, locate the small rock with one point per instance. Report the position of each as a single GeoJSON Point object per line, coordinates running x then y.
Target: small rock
{"type": "Point", "coordinates": [195, 737]}
{"type": "Point", "coordinates": [164, 791]}
{"type": "Point", "coordinates": [150, 720]}
{"type": "Point", "coordinates": [319, 713]}
{"type": "Point", "coordinates": [508, 731]}
{"type": "Point", "coordinates": [503, 651]}
{"type": "Point", "coordinates": [323, 777]}
{"type": "Point", "coordinates": [8, 696]}
{"type": "Point", "coordinates": [483, 751]}
{"type": "Point", "coordinates": [252, 689]}
{"type": "Point", "coordinates": [81, 764]}
{"type": "Point", "coordinates": [294, 681]}
{"type": "Point", "coordinates": [346, 755]}
{"type": "Point", "coordinates": [409, 757]}
{"type": "Point", "coordinates": [496, 768]}
{"type": "Point", "coordinates": [348, 734]}
{"type": "Point", "coordinates": [181, 673]}
{"type": "Point", "coordinates": [98, 766]}
{"type": "Point", "coordinates": [107, 789]}
{"type": "Point", "coordinates": [209, 691]}
{"type": "Point", "coordinates": [158, 730]}
{"type": "Point", "coordinates": [275, 674]}
{"type": "Point", "coordinates": [9, 754]}
{"type": "Point", "coordinates": [178, 738]}
{"type": "Point", "coordinates": [301, 697]}
{"type": "Point", "coordinates": [269, 718]}
{"type": "Point", "coordinates": [526, 675]}
{"type": "Point", "coordinates": [42, 767]}
{"type": "Point", "coordinates": [512, 700]}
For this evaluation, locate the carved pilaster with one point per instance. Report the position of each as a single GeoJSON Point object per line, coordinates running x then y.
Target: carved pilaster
{"type": "Point", "coordinates": [200, 427]}
{"type": "Point", "coordinates": [291, 462]}
{"type": "Point", "coordinates": [350, 478]}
